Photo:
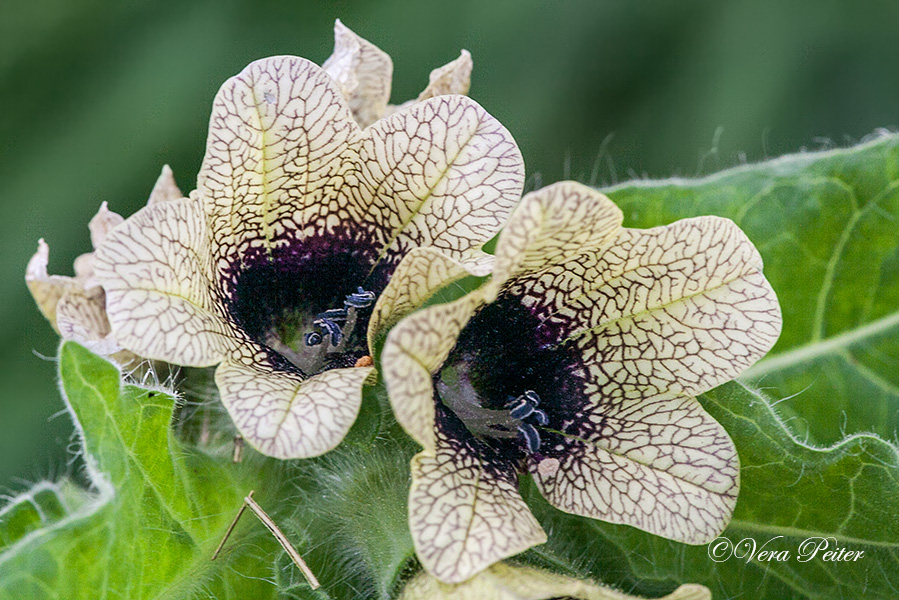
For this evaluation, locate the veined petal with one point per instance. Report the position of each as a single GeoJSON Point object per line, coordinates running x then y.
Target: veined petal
{"type": "Point", "coordinates": [466, 513]}
{"type": "Point", "coordinates": [161, 299]}
{"type": "Point", "coordinates": [362, 71]}
{"type": "Point", "coordinates": [415, 349]}
{"type": "Point", "coordinates": [81, 316]}
{"type": "Point", "coordinates": [281, 413]}
{"type": "Point", "coordinates": [507, 582]}
{"type": "Point", "coordinates": [660, 464]}
{"type": "Point", "coordinates": [276, 154]}
{"type": "Point", "coordinates": [444, 173]}
{"type": "Point", "coordinates": [670, 310]}
{"type": "Point", "coordinates": [551, 226]}
{"type": "Point", "coordinates": [452, 78]}
{"type": "Point", "coordinates": [165, 187]}
{"type": "Point", "coordinates": [419, 275]}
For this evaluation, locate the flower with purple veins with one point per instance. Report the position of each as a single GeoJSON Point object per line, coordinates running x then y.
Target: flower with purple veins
{"type": "Point", "coordinates": [578, 362]}
{"type": "Point", "coordinates": [272, 267]}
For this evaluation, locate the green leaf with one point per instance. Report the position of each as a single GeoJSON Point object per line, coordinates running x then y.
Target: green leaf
{"type": "Point", "coordinates": [827, 226]}
{"type": "Point", "coordinates": [155, 514]}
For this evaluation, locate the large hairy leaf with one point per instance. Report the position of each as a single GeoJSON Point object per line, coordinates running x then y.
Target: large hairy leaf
{"type": "Point", "coordinates": [155, 514]}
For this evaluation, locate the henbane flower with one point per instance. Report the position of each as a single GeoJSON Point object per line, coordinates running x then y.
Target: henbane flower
{"type": "Point", "coordinates": [578, 362]}
{"type": "Point", "coordinates": [271, 267]}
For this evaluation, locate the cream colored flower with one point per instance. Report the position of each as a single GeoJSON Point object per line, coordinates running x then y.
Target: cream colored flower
{"type": "Point", "coordinates": [364, 74]}
{"type": "Point", "coordinates": [507, 582]}
{"type": "Point", "coordinates": [76, 306]}
{"type": "Point", "coordinates": [270, 269]}
{"type": "Point", "coordinates": [578, 362]}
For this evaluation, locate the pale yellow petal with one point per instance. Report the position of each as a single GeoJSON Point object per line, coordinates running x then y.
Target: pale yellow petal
{"type": "Point", "coordinates": [415, 349]}
{"type": "Point", "coordinates": [452, 78]}
{"type": "Point", "coordinates": [281, 413]}
{"type": "Point", "coordinates": [47, 289]}
{"type": "Point", "coordinates": [419, 275]}
{"type": "Point", "coordinates": [165, 188]}
{"type": "Point", "coordinates": [660, 464]}
{"type": "Point", "coordinates": [551, 226]}
{"type": "Point", "coordinates": [275, 157]}
{"type": "Point", "coordinates": [507, 582]}
{"type": "Point", "coordinates": [665, 311]}
{"type": "Point", "coordinates": [445, 174]}
{"type": "Point", "coordinates": [161, 298]}
{"type": "Point", "coordinates": [362, 71]}
{"type": "Point", "coordinates": [465, 515]}
{"type": "Point", "coordinates": [81, 316]}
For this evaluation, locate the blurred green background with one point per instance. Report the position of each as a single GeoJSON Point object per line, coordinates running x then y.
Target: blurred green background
{"type": "Point", "coordinates": [96, 95]}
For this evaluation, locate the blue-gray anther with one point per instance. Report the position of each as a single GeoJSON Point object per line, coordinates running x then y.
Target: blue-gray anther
{"type": "Point", "coordinates": [525, 404]}
{"type": "Point", "coordinates": [532, 397]}
{"type": "Point", "coordinates": [333, 314]}
{"type": "Point", "coordinates": [527, 433]}
{"type": "Point", "coordinates": [313, 338]}
{"type": "Point", "coordinates": [332, 329]}
{"type": "Point", "coordinates": [360, 299]}
{"type": "Point", "coordinates": [520, 408]}
{"type": "Point", "coordinates": [540, 417]}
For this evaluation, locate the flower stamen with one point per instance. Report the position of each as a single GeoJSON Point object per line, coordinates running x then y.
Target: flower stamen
{"type": "Point", "coordinates": [326, 323]}
{"type": "Point", "coordinates": [528, 434]}
{"type": "Point", "coordinates": [512, 422]}
{"type": "Point", "coordinates": [360, 299]}
{"type": "Point", "coordinates": [525, 407]}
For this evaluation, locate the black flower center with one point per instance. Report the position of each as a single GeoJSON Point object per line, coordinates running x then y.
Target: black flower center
{"type": "Point", "coordinates": [309, 302]}
{"type": "Point", "coordinates": [503, 383]}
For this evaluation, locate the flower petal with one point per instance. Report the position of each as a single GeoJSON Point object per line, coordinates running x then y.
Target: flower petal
{"type": "Point", "coordinates": [419, 275]}
{"type": "Point", "coordinates": [553, 225]}
{"type": "Point", "coordinates": [452, 78]}
{"type": "Point", "coordinates": [507, 582]}
{"type": "Point", "coordinates": [660, 464]}
{"type": "Point", "coordinates": [362, 71]}
{"type": "Point", "coordinates": [415, 349]}
{"type": "Point", "coordinates": [81, 316]}
{"type": "Point", "coordinates": [160, 296]}
{"type": "Point", "coordinates": [283, 414]}
{"type": "Point", "coordinates": [465, 513]}
{"type": "Point", "coordinates": [102, 223]}
{"type": "Point", "coordinates": [444, 174]}
{"type": "Point", "coordinates": [47, 289]}
{"type": "Point", "coordinates": [277, 134]}
{"type": "Point", "coordinates": [165, 188]}
{"type": "Point", "coordinates": [670, 310]}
